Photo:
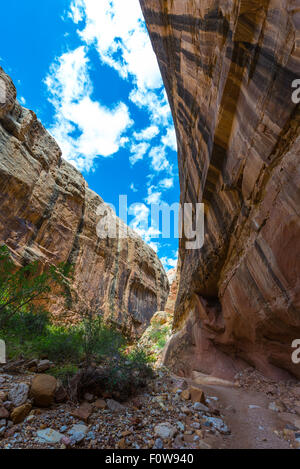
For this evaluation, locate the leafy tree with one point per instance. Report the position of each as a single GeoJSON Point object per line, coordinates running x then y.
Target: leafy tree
{"type": "Point", "coordinates": [21, 288]}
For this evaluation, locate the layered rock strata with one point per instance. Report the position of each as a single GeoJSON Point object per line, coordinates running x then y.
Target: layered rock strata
{"type": "Point", "coordinates": [48, 213]}
{"type": "Point", "coordinates": [229, 69]}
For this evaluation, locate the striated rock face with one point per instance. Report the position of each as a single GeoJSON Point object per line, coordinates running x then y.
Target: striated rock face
{"type": "Point", "coordinates": [48, 213]}
{"type": "Point", "coordinates": [228, 68]}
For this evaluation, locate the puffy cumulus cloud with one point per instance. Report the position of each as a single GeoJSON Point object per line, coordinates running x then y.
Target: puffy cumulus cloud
{"type": "Point", "coordinates": [117, 29]}
{"type": "Point", "coordinates": [166, 183]}
{"type": "Point", "coordinates": [140, 222]}
{"type": "Point", "coordinates": [155, 103]}
{"type": "Point", "coordinates": [138, 152]}
{"type": "Point", "coordinates": [159, 160]}
{"type": "Point", "coordinates": [147, 134]}
{"type": "Point", "coordinates": [169, 140]}
{"type": "Point", "coordinates": [154, 196]}
{"type": "Point", "coordinates": [83, 127]}
{"type": "Point", "coordinates": [169, 262]}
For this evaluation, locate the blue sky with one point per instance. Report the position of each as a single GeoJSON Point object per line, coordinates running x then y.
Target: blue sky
{"type": "Point", "coordinates": [87, 68]}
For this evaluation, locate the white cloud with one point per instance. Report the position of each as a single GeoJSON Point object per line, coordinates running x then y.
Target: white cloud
{"type": "Point", "coordinates": [169, 140]}
{"type": "Point", "coordinates": [98, 129]}
{"type": "Point", "coordinates": [76, 12]}
{"type": "Point", "coordinates": [117, 29]}
{"type": "Point", "coordinates": [155, 103]}
{"type": "Point", "coordinates": [159, 161]}
{"type": "Point", "coordinates": [133, 188]}
{"type": "Point", "coordinates": [154, 246]}
{"type": "Point", "coordinates": [154, 196]}
{"type": "Point", "coordinates": [140, 223]}
{"type": "Point", "coordinates": [169, 263]}
{"type": "Point", "coordinates": [147, 134]}
{"type": "Point", "coordinates": [138, 152]}
{"type": "Point", "coordinates": [166, 183]}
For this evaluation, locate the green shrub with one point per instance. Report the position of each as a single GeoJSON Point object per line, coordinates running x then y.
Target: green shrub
{"type": "Point", "coordinates": [121, 375]}
{"type": "Point", "coordinates": [29, 323]}
{"type": "Point", "coordinates": [159, 336]}
{"type": "Point", "coordinates": [21, 288]}
{"type": "Point", "coordinates": [60, 344]}
{"type": "Point", "coordinates": [64, 373]}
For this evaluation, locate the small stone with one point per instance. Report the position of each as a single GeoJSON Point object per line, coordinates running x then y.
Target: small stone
{"type": "Point", "coordinates": [43, 365]}
{"type": "Point", "coordinates": [277, 406]}
{"type": "Point", "coordinates": [122, 443]}
{"type": "Point", "coordinates": [195, 425]}
{"type": "Point", "coordinates": [48, 436]}
{"type": "Point", "coordinates": [181, 426]}
{"type": "Point", "coordinates": [198, 406]}
{"type": "Point", "coordinates": [77, 433]}
{"type": "Point", "coordinates": [8, 405]}
{"type": "Point", "coordinates": [19, 414]}
{"type": "Point", "coordinates": [66, 441]}
{"type": "Point", "coordinates": [197, 395]}
{"type": "Point", "coordinates": [158, 444]}
{"type": "Point", "coordinates": [3, 396]}
{"type": "Point", "coordinates": [100, 404]}
{"type": "Point", "coordinates": [89, 397]}
{"type": "Point", "coordinates": [218, 424]}
{"type": "Point", "coordinates": [18, 394]}
{"type": "Point", "coordinates": [29, 419]}
{"type": "Point", "coordinates": [4, 414]}
{"type": "Point", "coordinates": [186, 394]}
{"type": "Point", "coordinates": [165, 430]}
{"type": "Point", "coordinates": [114, 406]}
{"type": "Point", "coordinates": [83, 412]}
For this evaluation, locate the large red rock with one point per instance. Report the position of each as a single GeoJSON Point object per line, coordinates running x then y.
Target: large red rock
{"type": "Point", "coordinates": [48, 213]}
{"type": "Point", "coordinates": [43, 389]}
{"type": "Point", "coordinates": [228, 68]}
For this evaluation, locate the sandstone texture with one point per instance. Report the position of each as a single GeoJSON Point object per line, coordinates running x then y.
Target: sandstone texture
{"type": "Point", "coordinates": [48, 213]}
{"type": "Point", "coordinates": [228, 68]}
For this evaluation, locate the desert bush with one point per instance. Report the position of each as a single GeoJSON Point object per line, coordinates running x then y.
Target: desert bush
{"type": "Point", "coordinates": [21, 288]}
{"type": "Point", "coordinates": [29, 322]}
{"type": "Point", "coordinates": [99, 339]}
{"type": "Point", "coordinates": [64, 373]}
{"type": "Point", "coordinates": [60, 344]}
{"type": "Point", "coordinates": [159, 335]}
{"type": "Point", "coordinates": [120, 375]}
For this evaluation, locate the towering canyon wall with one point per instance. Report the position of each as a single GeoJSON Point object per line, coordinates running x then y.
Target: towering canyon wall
{"type": "Point", "coordinates": [48, 213]}
{"type": "Point", "coordinates": [228, 67]}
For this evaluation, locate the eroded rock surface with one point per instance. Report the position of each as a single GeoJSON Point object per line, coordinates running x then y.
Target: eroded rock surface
{"type": "Point", "coordinates": [48, 213]}
{"type": "Point", "coordinates": [228, 68]}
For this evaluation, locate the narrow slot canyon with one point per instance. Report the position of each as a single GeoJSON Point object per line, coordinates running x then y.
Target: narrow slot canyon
{"type": "Point", "coordinates": [200, 351]}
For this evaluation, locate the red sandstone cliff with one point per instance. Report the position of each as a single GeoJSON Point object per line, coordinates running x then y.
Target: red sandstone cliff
{"type": "Point", "coordinates": [48, 213]}
{"type": "Point", "coordinates": [228, 68]}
